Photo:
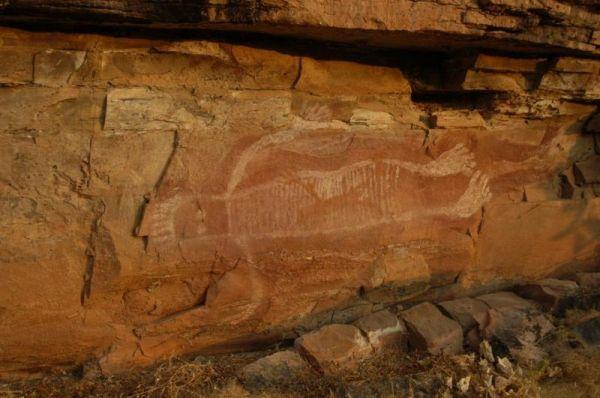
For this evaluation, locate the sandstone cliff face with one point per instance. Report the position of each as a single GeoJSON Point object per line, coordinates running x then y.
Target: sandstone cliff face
{"type": "Point", "coordinates": [162, 197]}
{"type": "Point", "coordinates": [544, 25]}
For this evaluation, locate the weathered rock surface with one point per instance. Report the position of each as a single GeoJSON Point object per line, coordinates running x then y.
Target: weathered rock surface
{"type": "Point", "coordinates": [521, 24]}
{"type": "Point", "coordinates": [516, 325]}
{"type": "Point", "coordinates": [467, 311]}
{"type": "Point", "coordinates": [431, 331]}
{"type": "Point", "coordinates": [334, 348]}
{"type": "Point", "coordinates": [589, 330]}
{"type": "Point", "coordinates": [506, 301]}
{"type": "Point", "coordinates": [168, 196]}
{"type": "Point", "coordinates": [383, 329]}
{"type": "Point", "coordinates": [554, 294]}
{"type": "Point", "coordinates": [276, 368]}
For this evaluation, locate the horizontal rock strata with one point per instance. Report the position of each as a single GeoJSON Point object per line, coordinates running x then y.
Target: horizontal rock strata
{"type": "Point", "coordinates": [169, 196]}
{"type": "Point", "coordinates": [525, 25]}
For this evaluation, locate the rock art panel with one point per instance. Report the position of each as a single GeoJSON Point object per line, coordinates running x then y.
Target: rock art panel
{"type": "Point", "coordinates": [160, 197]}
{"type": "Point", "coordinates": [301, 184]}
{"type": "Point", "coordinates": [327, 198]}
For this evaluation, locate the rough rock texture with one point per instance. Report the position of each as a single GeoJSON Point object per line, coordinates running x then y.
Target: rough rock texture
{"type": "Point", "coordinates": [516, 325]}
{"type": "Point", "coordinates": [430, 330]}
{"type": "Point", "coordinates": [383, 329]}
{"type": "Point", "coordinates": [522, 24]}
{"type": "Point", "coordinates": [468, 312]}
{"type": "Point", "coordinates": [276, 368]}
{"type": "Point", "coordinates": [160, 197]}
{"type": "Point", "coordinates": [507, 301]}
{"type": "Point", "coordinates": [334, 348]}
{"type": "Point", "coordinates": [554, 294]}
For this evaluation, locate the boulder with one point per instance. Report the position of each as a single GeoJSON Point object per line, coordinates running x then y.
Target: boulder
{"type": "Point", "coordinates": [334, 348]}
{"type": "Point", "coordinates": [506, 301]}
{"type": "Point", "coordinates": [383, 329]}
{"type": "Point", "coordinates": [429, 330]}
{"type": "Point", "coordinates": [515, 326]}
{"type": "Point", "coordinates": [467, 311]}
{"type": "Point", "coordinates": [554, 294]}
{"type": "Point", "coordinates": [512, 325]}
{"type": "Point", "coordinates": [277, 368]}
{"type": "Point", "coordinates": [589, 330]}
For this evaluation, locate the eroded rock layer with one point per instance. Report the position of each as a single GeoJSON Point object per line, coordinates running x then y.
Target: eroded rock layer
{"type": "Point", "coordinates": [164, 197]}
{"type": "Point", "coordinates": [538, 25]}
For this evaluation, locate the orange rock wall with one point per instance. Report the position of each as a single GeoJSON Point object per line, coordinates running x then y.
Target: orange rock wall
{"type": "Point", "coordinates": [166, 197]}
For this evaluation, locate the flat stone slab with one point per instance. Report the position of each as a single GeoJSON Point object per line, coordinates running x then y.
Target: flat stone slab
{"type": "Point", "coordinates": [506, 300]}
{"type": "Point", "coordinates": [274, 369]}
{"type": "Point", "coordinates": [430, 330]}
{"type": "Point", "coordinates": [467, 311]}
{"type": "Point", "coordinates": [554, 294]}
{"type": "Point", "coordinates": [383, 329]}
{"type": "Point", "coordinates": [334, 347]}
{"type": "Point", "coordinates": [457, 119]}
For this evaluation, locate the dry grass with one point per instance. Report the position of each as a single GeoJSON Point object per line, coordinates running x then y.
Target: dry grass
{"type": "Point", "coordinates": [390, 373]}
{"type": "Point", "coordinates": [570, 373]}
{"type": "Point", "coordinates": [181, 379]}
{"type": "Point", "coordinates": [579, 364]}
{"type": "Point", "coordinates": [175, 378]}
